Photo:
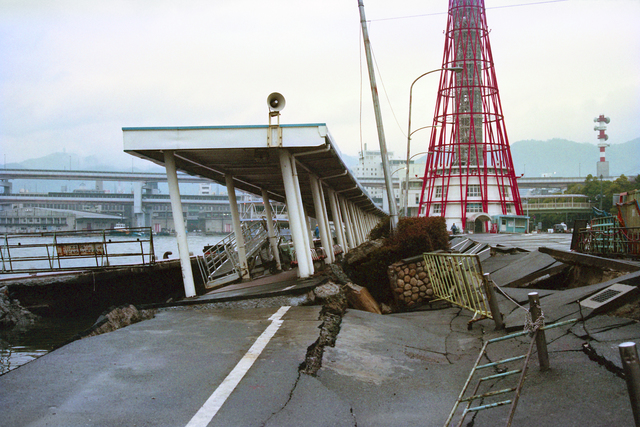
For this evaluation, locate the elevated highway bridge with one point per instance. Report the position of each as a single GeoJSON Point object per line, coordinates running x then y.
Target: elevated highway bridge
{"type": "Point", "coordinates": [8, 174]}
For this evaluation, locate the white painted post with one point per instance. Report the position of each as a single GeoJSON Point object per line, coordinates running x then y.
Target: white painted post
{"type": "Point", "coordinates": [337, 220]}
{"type": "Point", "coordinates": [237, 228]}
{"type": "Point", "coordinates": [270, 230]}
{"type": "Point", "coordinates": [354, 224]}
{"type": "Point", "coordinates": [303, 215]}
{"type": "Point", "coordinates": [347, 223]}
{"type": "Point", "coordinates": [178, 223]}
{"type": "Point", "coordinates": [330, 255]}
{"type": "Point", "coordinates": [359, 224]}
{"type": "Point", "coordinates": [631, 367]}
{"type": "Point", "coordinates": [295, 219]}
{"type": "Point", "coordinates": [320, 217]}
{"type": "Point", "coordinates": [343, 225]}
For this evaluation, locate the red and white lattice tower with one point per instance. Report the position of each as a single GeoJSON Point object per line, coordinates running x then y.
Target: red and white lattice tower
{"type": "Point", "coordinates": [469, 176]}
{"type": "Point", "coordinates": [602, 167]}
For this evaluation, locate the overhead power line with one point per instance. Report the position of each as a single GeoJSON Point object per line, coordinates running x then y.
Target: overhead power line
{"type": "Point", "coordinates": [444, 13]}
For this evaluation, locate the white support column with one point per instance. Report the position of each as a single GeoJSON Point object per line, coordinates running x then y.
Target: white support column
{"type": "Point", "coordinates": [347, 222]}
{"type": "Point", "coordinates": [331, 258]}
{"type": "Point", "coordinates": [363, 223]}
{"type": "Point", "coordinates": [352, 221]}
{"type": "Point", "coordinates": [366, 222]}
{"type": "Point", "coordinates": [358, 222]}
{"type": "Point", "coordinates": [237, 228]}
{"type": "Point", "coordinates": [270, 230]}
{"type": "Point", "coordinates": [178, 223]}
{"type": "Point", "coordinates": [320, 217]}
{"type": "Point", "coordinates": [337, 220]}
{"type": "Point", "coordinates": [356, 213]}
{"type": "Point", "coordinates": [305, 218]}
{"type": "Point", "coordinates": [295, 217]}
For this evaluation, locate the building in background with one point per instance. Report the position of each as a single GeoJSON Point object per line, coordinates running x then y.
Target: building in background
{"type": "Point", "coordinates": [370, 175]}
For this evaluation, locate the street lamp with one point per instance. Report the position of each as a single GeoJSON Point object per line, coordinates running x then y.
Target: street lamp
{"type": "Point", "coordinates": [409, 133]}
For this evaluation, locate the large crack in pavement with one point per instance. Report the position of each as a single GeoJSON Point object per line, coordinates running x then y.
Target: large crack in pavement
{"type": "Point", "coordinates": [334, 305]}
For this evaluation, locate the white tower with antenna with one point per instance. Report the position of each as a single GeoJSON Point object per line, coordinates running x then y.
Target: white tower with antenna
{"type": "Point", "coordinates": [602, 167]}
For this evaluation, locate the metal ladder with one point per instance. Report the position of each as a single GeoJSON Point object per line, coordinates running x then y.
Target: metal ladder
{"type": "Point", "coordinates": [515, 388]}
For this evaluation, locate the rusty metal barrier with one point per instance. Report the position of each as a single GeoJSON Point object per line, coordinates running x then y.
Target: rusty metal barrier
{"type": "Point", "coordinates": [610, 241]}
{"type": "Point", "coordinates": [458, 278]}
{"type": "Point", "coordinates": [75, 250]}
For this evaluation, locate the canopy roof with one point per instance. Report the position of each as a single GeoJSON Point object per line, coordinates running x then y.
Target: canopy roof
{"type": "Point", "coordinates": [244, 152]}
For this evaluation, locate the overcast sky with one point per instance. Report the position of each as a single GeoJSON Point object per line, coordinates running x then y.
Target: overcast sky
{"type": "Point", "coordinates": [74, 72]}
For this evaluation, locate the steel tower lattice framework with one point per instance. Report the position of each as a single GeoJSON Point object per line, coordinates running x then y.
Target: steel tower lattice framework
{"type": "Point", "coordinates": [469, 167]}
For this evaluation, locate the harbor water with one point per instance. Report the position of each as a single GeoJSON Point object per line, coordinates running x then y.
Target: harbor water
{"type": "Point", "coordinates": [47, 334]}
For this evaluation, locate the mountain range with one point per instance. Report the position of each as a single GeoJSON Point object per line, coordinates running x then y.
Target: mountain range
{"type": "Point", "coordinates": [560, 157]}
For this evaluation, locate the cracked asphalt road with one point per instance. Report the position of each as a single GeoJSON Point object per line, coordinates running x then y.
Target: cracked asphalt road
{"type": "Point", "coordinates": [394, 370]}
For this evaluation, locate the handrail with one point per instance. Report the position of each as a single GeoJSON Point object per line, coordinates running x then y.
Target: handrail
{"type": "Point", "coordinates": [76, 250]}
{"type": "Point", "coordinates": [222, 259]}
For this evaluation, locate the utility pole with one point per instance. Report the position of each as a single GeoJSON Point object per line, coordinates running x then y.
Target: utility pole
{"type": "Point", "coordinates": [393, 210]}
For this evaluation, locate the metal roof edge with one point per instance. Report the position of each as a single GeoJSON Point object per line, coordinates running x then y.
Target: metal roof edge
{"type": "Point", "coordinates": [142, 128]}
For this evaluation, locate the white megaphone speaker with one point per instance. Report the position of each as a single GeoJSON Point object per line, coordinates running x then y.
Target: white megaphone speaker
{"type": "Point", "coordinates": [276, 102]}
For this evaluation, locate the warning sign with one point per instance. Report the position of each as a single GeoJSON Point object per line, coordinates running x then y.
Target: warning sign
{"type": "Point", "coordinates": [79, 249]}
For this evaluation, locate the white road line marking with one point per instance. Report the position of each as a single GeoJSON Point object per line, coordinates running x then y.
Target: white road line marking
{"type": "Point", "coordinates": [220, 395]}
{"type": "Point", "coordinates": [289, 287]}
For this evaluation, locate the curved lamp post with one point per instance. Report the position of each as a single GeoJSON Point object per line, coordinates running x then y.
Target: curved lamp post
{"type": "Point", "coordinates": [409, 133]}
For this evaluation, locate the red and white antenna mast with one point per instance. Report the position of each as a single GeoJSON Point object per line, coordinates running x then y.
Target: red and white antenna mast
{"type": "Point", "coordinates": [469, 175]}
{"type": "Point", "coordinates": [602, 167]}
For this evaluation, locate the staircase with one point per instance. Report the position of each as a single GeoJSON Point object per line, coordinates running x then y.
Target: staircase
{"type": "Point", "coordinates": [221, 262]}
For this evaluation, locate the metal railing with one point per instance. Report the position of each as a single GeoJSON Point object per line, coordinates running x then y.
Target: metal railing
{"type": "Point", "coordinates": [76, 250]}
{"type": "Point", "coordinates": [458, 278]}
{"type": "Point", "coordinates": [221, 260]}
{"type": "Point", "coordinates": [607, 238]}
{"type": "Point", "coordinates": [490, 398]}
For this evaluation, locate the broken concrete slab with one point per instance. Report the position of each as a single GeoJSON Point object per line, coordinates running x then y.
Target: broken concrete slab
{"type": "Point", "coordinates": [548, 275]}
{"type": "Point", "coordinates": [457, 240]}
{"type": "Point", "coordinates": [526, 268]}
{"type": "Point", "coordinates": [559, 305]}
{"type": "Point", "coordinates": [495, 263]}
{"type": "Point", "coordinates": [463, 246]}
{"type": "Point", "coordinates": [600, 324]}
{"type": "Point", "coordinates": [506, 249]}
{"type": "Point", "coordinates": [484, 254]}
{"type": "Point", "coordinates": [564, 342]}
{"type": "Point", "coordinates": [576, 258]}
{"type": "Point", "coordinates": [608, 350]}
{"type": "Point", "coordinates": [522, 295]}
{"type": "Point", "coordinates": [623, 333]}
{"type": "Point", "coordinates": [477, 248]}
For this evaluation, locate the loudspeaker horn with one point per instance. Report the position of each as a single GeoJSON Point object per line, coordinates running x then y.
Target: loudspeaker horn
{"type": "Point", "coordinates": [276, 102]}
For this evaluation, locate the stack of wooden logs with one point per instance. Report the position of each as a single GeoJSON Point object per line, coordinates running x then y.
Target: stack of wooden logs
{"type": "Point", "coordinates": [410, 282]}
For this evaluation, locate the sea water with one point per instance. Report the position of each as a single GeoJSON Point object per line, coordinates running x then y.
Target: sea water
{"type": "Point", "coordinates": [20, 347]}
